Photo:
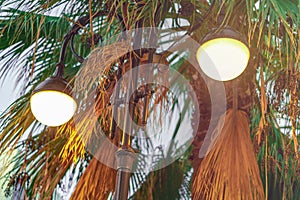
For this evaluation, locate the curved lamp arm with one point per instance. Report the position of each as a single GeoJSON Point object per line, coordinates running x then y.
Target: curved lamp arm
{"type": "Point", "coordinates": [80, 23]}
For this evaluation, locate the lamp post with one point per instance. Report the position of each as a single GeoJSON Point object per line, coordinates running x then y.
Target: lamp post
{"type": "Point", "coordinates": [211, 53]}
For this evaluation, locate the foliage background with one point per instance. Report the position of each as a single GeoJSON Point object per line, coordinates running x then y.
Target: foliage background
{"type": "Point", "coordinates": [30, 38]}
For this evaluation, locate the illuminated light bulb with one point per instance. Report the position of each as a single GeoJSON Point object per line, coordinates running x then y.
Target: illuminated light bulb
{"type": "Point", "coordinates": [51, 102]}
{"type": "Point", "coordinates": [223, 56]}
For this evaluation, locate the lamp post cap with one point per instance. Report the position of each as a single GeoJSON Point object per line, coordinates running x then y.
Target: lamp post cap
{"type": "Point", "coordinates": [125, 159]}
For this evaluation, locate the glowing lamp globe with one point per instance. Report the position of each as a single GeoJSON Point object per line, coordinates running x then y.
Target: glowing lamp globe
{"type": "Point", "coordinates": [52, 103]}
{"type": "Point", "coordinates": [223, 54]}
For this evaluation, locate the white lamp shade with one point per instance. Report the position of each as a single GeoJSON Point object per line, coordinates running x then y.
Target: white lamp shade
{"type": "Point", "coordinates": [52, 108]}
{"type": "Point", "coordinates": [223, 59]}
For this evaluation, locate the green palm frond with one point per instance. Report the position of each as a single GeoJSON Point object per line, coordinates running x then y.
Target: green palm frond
{"type": "Point", "coordinates": [276, 158]}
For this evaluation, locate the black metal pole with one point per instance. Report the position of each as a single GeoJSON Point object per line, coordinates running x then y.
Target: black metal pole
{"type": "Point", "coordinates": [125, 159]}
{"type": "Point", "coordinates": [122, 191]}
{"type": "Point", "coordinates": [126, 155]}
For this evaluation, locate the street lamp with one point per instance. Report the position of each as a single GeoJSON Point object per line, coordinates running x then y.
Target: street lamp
{"type": "Point", "coordinates": [223, 54]}
{"type": "Point", "coordinates": [53, 105]}
{"type": "Point", "coordinates": [51, 102]}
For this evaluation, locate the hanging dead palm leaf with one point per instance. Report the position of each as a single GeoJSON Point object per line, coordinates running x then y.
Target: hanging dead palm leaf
{"type": "Point", "coordinates": [230, 170]}
{"type": "Point", "coordinates": [97, 182]}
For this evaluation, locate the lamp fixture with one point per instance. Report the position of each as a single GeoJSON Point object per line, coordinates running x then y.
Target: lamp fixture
{"type": "Point", "coordinates": [51, 102]}
{"type": "Point", "coordinates": [223, 54]}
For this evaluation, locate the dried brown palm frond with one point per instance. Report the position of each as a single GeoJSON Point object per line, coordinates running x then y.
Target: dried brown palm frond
{"type": "Point", "coordinates": [98, 179]}
{"type": "Point", "coordinates": [96, 66]}
{"type": "Point", "coordinates": [97, 182]}
{"type": "Point", "coordinates": [46, 167]}
{"type": "Point", "coordinates": [87, 124]}
{"type": "Point", "coordinates": [74, 148]}
{"type": "Point", "coordinates": [99, 60]}
{"type": "Point", "coordinates": [230, 170]}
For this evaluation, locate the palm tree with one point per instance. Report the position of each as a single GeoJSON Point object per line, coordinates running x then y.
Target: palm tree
{"type": "Point", "coordinates": [256, 153]}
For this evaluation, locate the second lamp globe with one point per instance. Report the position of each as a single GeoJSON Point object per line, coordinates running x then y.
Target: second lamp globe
{"type": "Point", "coordinates": [223, 54]}
{"type": "Point", "coordinates": [52, 103]}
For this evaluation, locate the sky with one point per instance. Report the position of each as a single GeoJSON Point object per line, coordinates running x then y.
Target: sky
{"type": "Point", "coordinates": [8, 93]}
